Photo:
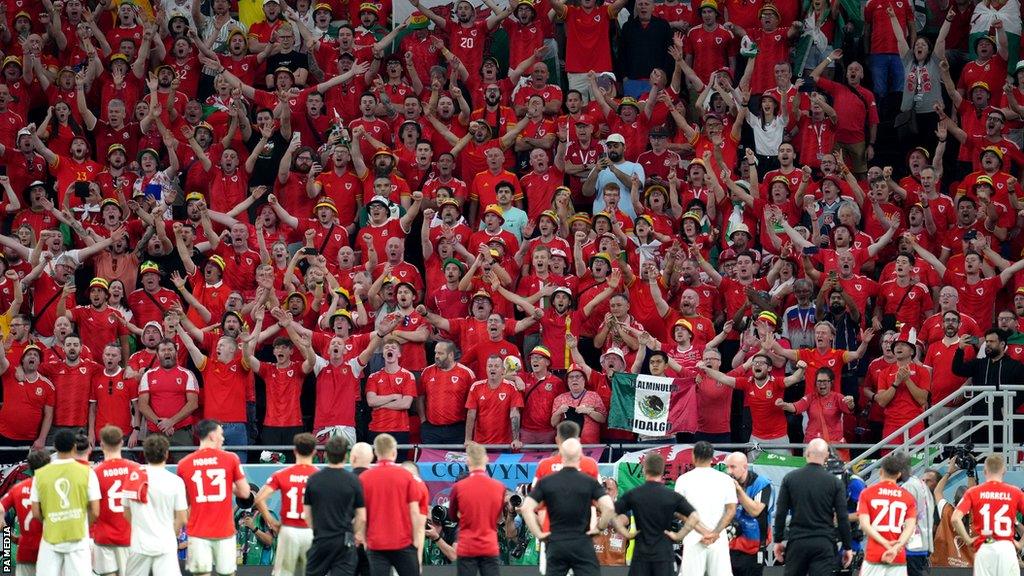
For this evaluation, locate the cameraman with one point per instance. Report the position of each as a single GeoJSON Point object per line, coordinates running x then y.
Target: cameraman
{"type": "Point", "coordinates": [440, 529]}
{"type": "Point", "coordinates": [816, 498]}
{"type": "Point", "coordinates": [515, 543]}
{"type": "Point", "coordinates": [477, 503]}
{"type": "Point", "coordinates": [753, 515]}
{"type": "Point", "coordinates": [949, 549]}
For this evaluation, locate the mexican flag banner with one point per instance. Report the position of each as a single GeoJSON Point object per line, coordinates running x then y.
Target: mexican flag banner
{"type": "Point", "coordinates": [653, 405]}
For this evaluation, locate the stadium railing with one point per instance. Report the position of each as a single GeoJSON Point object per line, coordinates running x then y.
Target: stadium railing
{"type": "Point", "coordinates": [979, 420]}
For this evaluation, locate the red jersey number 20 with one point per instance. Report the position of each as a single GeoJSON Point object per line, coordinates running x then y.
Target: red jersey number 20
{"type": "Point", "coordinates": [890, 516]}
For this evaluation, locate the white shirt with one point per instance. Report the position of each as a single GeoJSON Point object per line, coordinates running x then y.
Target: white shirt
{"type": "Point", "coordinates": [708, 491]}
{"type": "Point", "coordinates": [153, 522]}
{"type": "Point", "coordinates": [767, 138]}
{"type": "Point", "coordinates": [92, 494]}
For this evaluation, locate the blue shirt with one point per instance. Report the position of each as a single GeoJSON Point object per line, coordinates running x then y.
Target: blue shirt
{"type": "Point", "coordinates": [606, 176]}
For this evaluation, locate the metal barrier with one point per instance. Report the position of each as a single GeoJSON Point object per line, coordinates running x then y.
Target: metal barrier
{"type": "Point", "coordinates": [957, 427]}
{"type": "Point", "coordinates": [609, 450]}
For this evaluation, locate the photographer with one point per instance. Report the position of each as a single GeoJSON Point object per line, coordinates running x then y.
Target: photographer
{"type": "Point", "coordinates": [254, 537]}
{"type": "Point", "coordinates": [476, 504]}
{"type": "Point", "coordinates": [516, 545]}
{"type": "Point", "coordinates": [949, 549]}
{"type": "Point", "coordinates": [440, 530]}
{"type": "Point", "coordinates": [815, 497]}
{"type": "Point", "coordinates": [610, 544]}
{"type": "Point", "coordinates": [753, 516]}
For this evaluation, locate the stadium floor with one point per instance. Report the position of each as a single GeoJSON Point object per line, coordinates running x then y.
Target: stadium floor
{"type": "Point", "coordinates": [531, 571]}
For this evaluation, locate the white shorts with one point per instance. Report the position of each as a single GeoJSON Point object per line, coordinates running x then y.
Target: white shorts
{"type": "Point", "coordinates": [871, 569]}
{"type": "Point", "coordinates": [25, 570]}
{"type": "Point", "coordinates": [996, 559]}
{"type": "Point", "coordinates": [212, 556]}
{"type": "Point", "coordinates": [707, 560]}
{"type": "Point", "coordinates": [292, 546]}
{"type": "Point", "coordinates": [143, 565]}
{"type": "Point", "coordinates": [52, 563]}
{"type": "Point", "coordinates": [109, 559]}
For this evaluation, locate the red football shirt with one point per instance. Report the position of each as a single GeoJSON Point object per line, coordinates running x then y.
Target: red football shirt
{"type": "Point", "coordinates": [587, 40]}
{"type": "Point", "coordinates": [284, 387]}
{"type": "Point", "coordinates": [477, 501]}
{"type": "Point", "coordinates": [977, 300]}
{"type": "Point", "coordinates": [148, 307]}
{"type": "Point", "coordinates": [908, 303]}
{"type": "Point", "coordinates": [21, 413]}
{"type": "Point", "coordinates": [224, 389]}
{"type": "Point", "coordinates": [467, 42]}
{"type": "Point", "coordinates": [291, 481]}
{"type": "Point", "coordinates": [539, 398]}
{"type": "Point", "coordinates": [210, 476]}
{"type": "Point", "coordinates": [992, 506]}
{"type": "Point", "coordinates": [940, 358]}
{"type": "Point", "coordinates": [98, 327]}
{"type": "Point", "coordinates": [445, 392]}
{"type": "Point", "coordinates": [889, 507]}
{"type": "Point", "coordinates": [337, 392]}
{"type": "Point", "coordinates": [769, 420]}
{"type": "Point", "coordinates": [493, 408]}
{"type": "Point", "coordinates": [832, 358]}
{"type": "Point", "coordinates": [710, 50]}
{"type": "Point", "coordinates": [903, 408]}
{"type": "Point", "coordinates": [387, 492]}
{"type": "Point", "coordinates": [384, 383]}
{"type": "Point", "coordinates": [31, 528]}
{"type": "Point", "coordinates": [112, 528]}
{"type": "Point", "coordinates": [168, 391]}
{"type": "Point", "coordinates": [113, 396]}
{"type": "Point", "coordinates": [72, 385]}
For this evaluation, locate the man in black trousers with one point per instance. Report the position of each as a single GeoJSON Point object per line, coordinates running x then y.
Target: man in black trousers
{"type": "Point", "coordinates": [654, 507]}
{"type": "Point", "coordinates": [334, 508]}
{"type": "Point", "coordinates": [567, 494]}
{"type": "Point", "coordinates": [815, 498]}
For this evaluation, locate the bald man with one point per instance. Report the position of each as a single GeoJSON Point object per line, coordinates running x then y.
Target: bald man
{"type": "Point", "coordinates": [753, 516]}
{"type": "Point", "coordinates": [567, 494]}
{"type": "Point", "coordinates": [815, 498]}
{"type": "Point", "coordinates": [361, 457]}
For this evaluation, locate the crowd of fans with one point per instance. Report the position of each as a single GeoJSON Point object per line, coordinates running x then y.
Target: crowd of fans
{"type": "Point", "coordinates": [460, 225]}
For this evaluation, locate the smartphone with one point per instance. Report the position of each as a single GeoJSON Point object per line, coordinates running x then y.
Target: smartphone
{"type": "Point", "coordinates": [81, 190]}
{"type": "Point", "coordinates": [154, 191]}
{"type": "Point", "coordinates": [811, 250]}
{"type": "Point", "coordinates": [3, 170]}
{"type": "Point", "coordinates": [309, 251]}
{"type": "Point", "coordinates": [808, 86]}
{"type": "Point", "coordinates": [973, 340]}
